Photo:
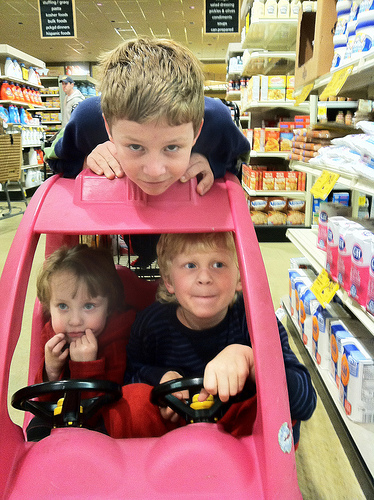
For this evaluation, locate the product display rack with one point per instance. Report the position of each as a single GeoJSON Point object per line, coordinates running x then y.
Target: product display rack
{"type": "Point", "coordinates": [362, 434]}
{"type": "Point", "coordinates": [52, 126]}
{"type": "Point", "coordinates": [270, 49]}
{"type": "Point", "coordinates": [358, 84]}
{"type": "Point", "coordinates": [8, 51]}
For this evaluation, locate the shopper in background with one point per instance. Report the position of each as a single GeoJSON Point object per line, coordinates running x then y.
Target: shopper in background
{"type": "Point", "coordinates": [88, 327]}
{"type": "Point", "coordinates": [72, 99]}
{"type": "Point", "coordinates": [198, 328]}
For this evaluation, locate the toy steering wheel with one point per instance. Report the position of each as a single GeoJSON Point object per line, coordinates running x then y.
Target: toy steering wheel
{"type": "Point", "coordinates": [191, 410]}
{"type": "Point", "coordinates": [73, 411]}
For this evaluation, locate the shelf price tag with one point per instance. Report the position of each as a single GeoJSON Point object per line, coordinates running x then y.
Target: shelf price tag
{"type": "Point", "coordinates": [323, 288]}
{"type": "Point", "coordinates": [324, 184]}
{"type": "Point", "coordinates": [304, 94]}
{"type": "Point", "coordinates": [336, 83]}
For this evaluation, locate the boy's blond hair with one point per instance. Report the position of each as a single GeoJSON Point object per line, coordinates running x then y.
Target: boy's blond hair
{"type": "Point", "coordinates": [148, 79]}
{"type": "Point", "coordinates": [92, 266]}
{"type": "Point", "coordinates": [172, 244]}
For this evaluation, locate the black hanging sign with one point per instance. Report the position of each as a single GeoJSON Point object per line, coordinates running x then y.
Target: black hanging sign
{"type": "Point", "coordinates": [221, 16]}
{"type": "Point", "coordinates": [57, 18]}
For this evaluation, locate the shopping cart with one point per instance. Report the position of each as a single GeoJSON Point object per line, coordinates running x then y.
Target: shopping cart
{"type": "Point", "coordinates": [198, 460]}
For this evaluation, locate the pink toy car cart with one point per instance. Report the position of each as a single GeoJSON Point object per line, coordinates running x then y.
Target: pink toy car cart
{"type": "Point", "coordinates": [198, 460]}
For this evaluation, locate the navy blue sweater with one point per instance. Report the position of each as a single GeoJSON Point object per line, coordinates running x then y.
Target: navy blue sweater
{"type": "Point", "coordinates": [220, 140]}
{"type": "Point", "coordinates": [159, 342]}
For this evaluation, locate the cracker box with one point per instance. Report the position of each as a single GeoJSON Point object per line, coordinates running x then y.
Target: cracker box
{"type": "Point", "coordinates": [321, 321]}
{"type": "Point", "coordinates": [296, 212]}
{"type": "Point", "coordinates": [357, 381]}
{"type": "Point", "coordinates": [259, 210]}
{"type": "Point", "coordinates": [277, 211]}
{"type": "Point", "coordinates": [290, 87]}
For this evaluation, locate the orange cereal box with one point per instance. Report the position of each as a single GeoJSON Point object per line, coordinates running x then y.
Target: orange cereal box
{"type": "Point", "coordinates": [268, 181]}
{"type": "Point", "coordinates": [272, 139]}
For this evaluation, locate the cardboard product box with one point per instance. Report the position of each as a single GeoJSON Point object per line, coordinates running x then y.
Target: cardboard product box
{"type": "Point", "coordinates": [258, 207]}
{"type": "Point", "coordinates": [277, 214]}
{"type": "Point", "coordinates": [307, 308]}
{"type": "Point", "coordinates": [314, 42]}
{"type": "Point", "coordinates": [272, 139]}
{"type": "Point", "coordinates": [253, 88]}
{"type": "Point", "coordinates": [343, 332]}
{"type": "Point", "coordinates": [321, 321]}
{"type": "Point", "coordinates": [357, 381]}
{"type": "Point", "coordinates": [290, 87]}
{"type": "Point", "coordinates": [297, 276]}
{"type": "Point", "coordinates": [295, 212]}
{"type": "Point", "coordinates": [56, 70]}
{"type": "Point", "coordinates": [276, 88]}
{"type": "Point", "coordinates": [258, 140]}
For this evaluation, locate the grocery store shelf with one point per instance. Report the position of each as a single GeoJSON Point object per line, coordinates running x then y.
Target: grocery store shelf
{"type": "Point", "coordinates": [271, 34]}
{"type": "Point", "coordinates": [361, 434]}
{"type": "Point", "coordinates": [288, 194]}
{"type": "Point", "coordinates": [265, 62]}
{"type": "Point", "coordinates": [260, 106]}
{"type": "Point", "coordinates": [270, 154]}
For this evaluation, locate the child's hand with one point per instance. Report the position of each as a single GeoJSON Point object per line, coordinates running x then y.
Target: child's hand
{"type": "Point", "coordinates": [84, 348]}
{"type": "Point", "coordinates": [55, 356]}
{"type": "Point", "coordinates": [199, 166]}
{"type": "Point", "coordinates": [227, 373]}
{"type": "Point", "coordinates": [167, 413]}
{"type": "Point", "coordinates": [102, 160]}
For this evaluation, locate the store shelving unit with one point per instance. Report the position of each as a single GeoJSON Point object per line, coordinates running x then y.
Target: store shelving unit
{"type": "Point", "coordinates": [8, 51]}
{"type": "Point", "coordinates": [362, 434]}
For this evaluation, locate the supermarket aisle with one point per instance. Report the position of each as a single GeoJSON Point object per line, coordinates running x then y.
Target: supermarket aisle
{"type": "Point", "coordinates": [324, 471]}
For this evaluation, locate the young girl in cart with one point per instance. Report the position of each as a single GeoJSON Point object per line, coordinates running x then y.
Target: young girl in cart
{"type": "Point", "coordinates": [198, 328]}
{"type": "Point", "coordinates": [88, 327]}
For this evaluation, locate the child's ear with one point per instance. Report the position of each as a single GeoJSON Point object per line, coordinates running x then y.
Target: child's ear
{"type": "Point", "coordinates": [239, 287]}
{"type": "Point", "coordinates": [198, 133]}
{"type": "Point", "coordinates": [107, 128]}
{"type": "Point", "coordinates": [168, 284]}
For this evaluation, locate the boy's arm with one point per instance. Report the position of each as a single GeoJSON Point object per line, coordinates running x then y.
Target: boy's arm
{"type": "Point", "coordinates": [301, 393]}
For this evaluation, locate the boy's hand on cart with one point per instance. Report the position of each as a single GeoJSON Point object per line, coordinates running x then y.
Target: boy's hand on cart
{"type": "Point", "coordinates": [166, 412]}
{"type": "Point", "coordinates": [199, 167]}
{"type": "Point", "coordinates": [84, 348]}
{"type": "Point", "coordinates": [103, 161]}
{"type": "Point", "coordinates": [227, 373]}
{"type": "Point", "coordinates": [55, 356]}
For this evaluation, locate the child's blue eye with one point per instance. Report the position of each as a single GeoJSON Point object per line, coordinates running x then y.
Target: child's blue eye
{"type": "Point", "coordinates": [62, 306]}
{"type": "Point", "coordinates": [218, 264]}
{"type": "Point", "coordinates": [190, 265]}
{"type": "Point", "coordinates": [89, 306]}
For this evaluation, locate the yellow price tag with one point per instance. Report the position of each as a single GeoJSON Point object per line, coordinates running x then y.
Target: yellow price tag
{"type": "Point", "coordinates": [304, 94]}
{"type": "Point", "coordinates": [324, 184]}
{"type": "Point", "coordinates": [323, 288]}
{"type": "Point", "coordinates": [336, 83]}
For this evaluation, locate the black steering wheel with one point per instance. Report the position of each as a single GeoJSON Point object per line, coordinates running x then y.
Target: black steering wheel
{"type": "Point", "coordinates": [73, 411]}
{"type": "Point", "coordinates": [162, 395]}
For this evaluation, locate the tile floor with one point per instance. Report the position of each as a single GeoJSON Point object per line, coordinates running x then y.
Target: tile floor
{"type": "Point", "coordinates": [324, 470]}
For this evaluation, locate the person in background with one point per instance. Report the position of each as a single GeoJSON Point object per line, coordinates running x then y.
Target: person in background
{"type": "Point", "coordinates": [198, 328]}
{"type": "Point", "coordinates": [72, 99]}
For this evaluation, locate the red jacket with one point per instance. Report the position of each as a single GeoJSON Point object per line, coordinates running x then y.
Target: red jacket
{"type": "Point", "coordinates": [111, 360]}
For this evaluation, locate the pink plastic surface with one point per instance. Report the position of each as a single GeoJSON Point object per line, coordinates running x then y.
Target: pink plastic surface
{"type": "Point", "coordinates": [196, 461]}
